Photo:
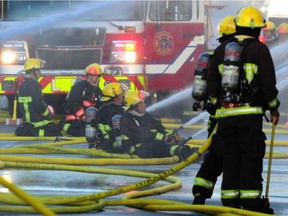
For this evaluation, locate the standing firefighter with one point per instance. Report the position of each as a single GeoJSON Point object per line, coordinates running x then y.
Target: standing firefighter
{"type": "Point", "coordinates": [37, 115]}
{"type": "Point", "coordinates": [83, 94]}
{"type": "Point", "coordinates": [109, 117]}
{"type": "Point", "coordinates": [212, 165]}
{"type": "Point", "coordinates": [242, 79]}
{"type": "Point", "coordinates": [282, 31]}
{"type": "Point", "coordinates": [144, 135]}
{"type": "Point", "coordinates": [270, 35]}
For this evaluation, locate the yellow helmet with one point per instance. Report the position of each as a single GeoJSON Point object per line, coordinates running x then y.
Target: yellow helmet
{"type": "Point", "coordinates": [282, 29]}
{"type": "Point", "coordinates": [250, 17]}
{"type": "Point", "coordinates": [227, 26]}
{"type": "Point", "coordinates": [34, 64]}
{"type": "Point", "coordinates": [112, 90]}
{"type": "Point", "coordinates": [269, 26]}
{"type": "Point", "coordinates": [93, 69]}
{"type": "Point", "coordinates": [134, 97]}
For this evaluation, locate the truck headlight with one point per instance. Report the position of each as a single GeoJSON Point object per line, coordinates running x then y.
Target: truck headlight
{"type": "Point", "coordinates": [14, 52]}
{"type": "Point", "coordinates": [8, 57]}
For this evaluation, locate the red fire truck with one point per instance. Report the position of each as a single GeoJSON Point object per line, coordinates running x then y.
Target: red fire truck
{"type": "Point", "coordinates": [149, 45]}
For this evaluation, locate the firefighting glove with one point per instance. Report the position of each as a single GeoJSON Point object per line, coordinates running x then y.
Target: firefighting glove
{"type": "Point", "coordinates": [51, 114]}
{"type": "Point", "coordinates": [173, 138]}
{"type": "Point", "coordinates": [211, 106]}
{"type": "Point", "coordinates": [274, 116]}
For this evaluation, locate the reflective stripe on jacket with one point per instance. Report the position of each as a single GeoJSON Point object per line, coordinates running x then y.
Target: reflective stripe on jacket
{"type": "Point", "coordinates": [241, 110]}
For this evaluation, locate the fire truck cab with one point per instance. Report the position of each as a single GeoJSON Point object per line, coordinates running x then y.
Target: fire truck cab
{"type": "Point", "coordinates": [147, 45]}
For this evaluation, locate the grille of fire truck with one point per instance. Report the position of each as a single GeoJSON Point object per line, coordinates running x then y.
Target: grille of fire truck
{"type": "Point", "coordinates": [63, 58]}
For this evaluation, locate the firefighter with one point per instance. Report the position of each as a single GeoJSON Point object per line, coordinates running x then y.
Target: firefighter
{"type": "Point", "coordinates": [83, 94]}
{"type": "Point", "coordinates": [282, 31]}
{"type": "Point", "coordinates": [144, 135]}
{"type": "Point", "coordinates": [242, 79]}
{"type": "Point", "coordinates": [109, 117]}
{"type": "Point", "coordinates": [211, 167]}
{"type": "Point", "coordinates": [37, 115]}
{"type": "Point", "coordinates": [270, 35]}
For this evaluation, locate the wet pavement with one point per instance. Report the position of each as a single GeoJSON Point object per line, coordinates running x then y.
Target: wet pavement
{"type": "Point", "coordinates": [44, 181]}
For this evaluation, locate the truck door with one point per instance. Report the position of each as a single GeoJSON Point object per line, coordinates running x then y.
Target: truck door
{"type": "Point", "coordinates": [174, 33]}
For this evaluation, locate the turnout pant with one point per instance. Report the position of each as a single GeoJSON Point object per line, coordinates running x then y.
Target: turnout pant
{"type": "Point", "coordinates": [210, 169]}
{"type": "Point", "coordinates": [242, 143]}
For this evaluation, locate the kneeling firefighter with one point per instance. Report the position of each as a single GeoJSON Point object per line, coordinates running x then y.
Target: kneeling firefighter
{"type": "Point", "coordinates": [241, 78]}
{"type": "Point", "coordinates": [144, 135]}
{"type": "Point", "coordinates": [83, 94]}
{"type": "Point", "coordinates": [109, 117]}
{"type": "Point", "coordinates": [37, 115]}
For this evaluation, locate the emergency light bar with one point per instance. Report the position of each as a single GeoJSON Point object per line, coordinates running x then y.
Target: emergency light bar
{"type": "Point", "coordinates": [123, 52]}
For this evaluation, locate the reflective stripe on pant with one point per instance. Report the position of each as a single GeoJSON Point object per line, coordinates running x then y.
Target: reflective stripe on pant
{"type": "Point", "coordinates": [208, 173]}
{"type": "Point", "coordinates": [210, 169]}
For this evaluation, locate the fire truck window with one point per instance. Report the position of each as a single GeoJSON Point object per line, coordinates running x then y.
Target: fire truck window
{"type": "Point", "coordinates": [81, 10]}
{"type": "Point", "coordinates": [24, 9]}
{"type": "Point", "coordinates": [111, 10]}
{"type": "Point", "coordinates": [170, 11]}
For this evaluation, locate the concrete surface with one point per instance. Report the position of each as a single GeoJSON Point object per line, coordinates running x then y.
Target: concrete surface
{"type": "Point", "coordinates": [72, 183]}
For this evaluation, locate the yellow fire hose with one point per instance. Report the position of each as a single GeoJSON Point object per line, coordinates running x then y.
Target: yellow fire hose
{"type": "Point", "coordinates": [78, 200]}
{"type": "Point", "coordinates": [168, 205]}
{"type": "Point", "coordinates": [144, 183]}
{"type": "Point", "coordinates": [35, 203]}
{"type": "Point", "coordinates": [94, 201]}
{"type": "Point", "coordinates": [12, 137]}
{"type": "Point", "coordinates": [90, 161]}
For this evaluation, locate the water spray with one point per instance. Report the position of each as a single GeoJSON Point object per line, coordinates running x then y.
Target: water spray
{"type": "Point", "coordinates": [50, 21]}
{"type": "Point", "coordinates": [175, 98]}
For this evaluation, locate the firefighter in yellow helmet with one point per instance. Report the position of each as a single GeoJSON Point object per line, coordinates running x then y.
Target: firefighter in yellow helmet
{"type": "Point", "coordinates": [243, 100]}
{"type": "Point", "coordinates": [270, 35]}
{"type": "Point", "coordinates": [143, 134]}
{"type": "Point", "coordinates": [211, 167]}
{"type": "Point", "coordinates": [84, 94]}
{"type": "Point", "coordinates": [282, 31]}
{"type": "Point", "coordinates": [37, 115]}
{"type": "Point", "coordinates": [227, 28]}
{"type": "Point", "coordinates": [109, 117]}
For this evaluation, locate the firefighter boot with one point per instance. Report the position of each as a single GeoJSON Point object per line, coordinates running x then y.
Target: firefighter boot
{"type": "Point", "coordinates": [263, 208]}
{"type": "Point", "coordinates": [186, 152]}
{"type": "Point", "coordinates": [199, 200]}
